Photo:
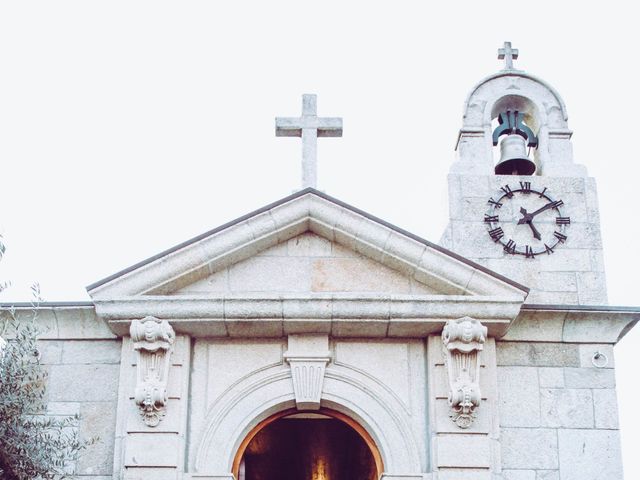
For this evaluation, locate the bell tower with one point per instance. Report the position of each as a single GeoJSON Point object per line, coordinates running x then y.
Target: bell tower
{"type": "Point", "coordinates": [518, 203]}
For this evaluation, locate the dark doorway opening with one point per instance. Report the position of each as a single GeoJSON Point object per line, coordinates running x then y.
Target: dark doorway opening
{"type": "Point", "coordinates": [307, 446]}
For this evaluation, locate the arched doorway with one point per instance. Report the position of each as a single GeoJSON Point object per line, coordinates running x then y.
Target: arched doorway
{"type": "Point", "coordinates": [319, 445]}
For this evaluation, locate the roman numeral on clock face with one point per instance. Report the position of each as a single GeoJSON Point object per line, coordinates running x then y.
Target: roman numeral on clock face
{"type": "Point", "coordinates": [507, 191]}
{"type": "Point", "coordinates": [528, 251]}
{"type": "Point", "coordinates": [510, 247]}
{"type": "Point", "coordinates": [557, 203]}
{"type": "Point", "coordinates": [525, 187]}
{"type": "Point", "coordinates": [494, 203]}
{"type": "Point", "coordinates": [560, 236]}
{"type": "Point", "coordinates": [490, 218]}
{"type": "Point", "coordinates": [563, 220]}
{"type": "Point", "coordinates": [496, 234]}
{"type": "Point", "coordinates": [548, 249]}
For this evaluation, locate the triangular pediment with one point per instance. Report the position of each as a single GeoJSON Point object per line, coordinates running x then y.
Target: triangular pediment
{"type": "Point", "coordinates": [311, 243]}
{"type": "Point", "coordinates": [307, 263]}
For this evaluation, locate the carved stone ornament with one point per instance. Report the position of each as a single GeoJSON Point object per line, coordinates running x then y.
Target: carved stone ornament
{"type": "Point", "coordinates": [308, 377]}
{"type": "Point", "coordinates": [463, 339]}
{"type": "Point", "coordinates": [308, 356]}
{"type": "Point", "coordinates": [153, 340]}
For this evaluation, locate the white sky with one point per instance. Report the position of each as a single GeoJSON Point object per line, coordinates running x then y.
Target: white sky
{"type": "Point", "coordinates": [127, 127]}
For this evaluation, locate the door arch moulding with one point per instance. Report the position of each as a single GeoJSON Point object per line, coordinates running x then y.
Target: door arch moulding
{"type": "Point", "coordinates": [266, 394]}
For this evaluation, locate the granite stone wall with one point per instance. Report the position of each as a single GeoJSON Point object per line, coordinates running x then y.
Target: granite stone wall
{"type": "Point", "coordinates": [82, 358]}
{"type": "Point", "coordinates": [83, 380]}
{"type": "Point", "coordinates": [558, 411]}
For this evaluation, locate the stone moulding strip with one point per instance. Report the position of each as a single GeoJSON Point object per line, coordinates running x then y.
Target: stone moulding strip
{"type": "Point", "coordinates": [196, 316]}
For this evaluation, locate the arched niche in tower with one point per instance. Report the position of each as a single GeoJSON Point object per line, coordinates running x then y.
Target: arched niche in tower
{"type": "Point", "coordinates": [520, 104]}
{"type": "Point", "coordinates": [545, 114]}
{"type": "Point", "coordinates": [525, 152]}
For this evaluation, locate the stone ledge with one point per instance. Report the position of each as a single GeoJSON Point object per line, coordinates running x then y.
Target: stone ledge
{"type": "Point", "coordinates": [61, 320]}
{"type": "Point", "coordinates": [403, 315]}
{"type": "Point", "coordinates": [572, 324]}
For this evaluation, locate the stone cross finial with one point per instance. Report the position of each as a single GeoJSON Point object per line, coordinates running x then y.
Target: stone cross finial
{"type": "Point", "coordinates": [508, 54]}
{"type": "Point", "coordinates": [309, 126]}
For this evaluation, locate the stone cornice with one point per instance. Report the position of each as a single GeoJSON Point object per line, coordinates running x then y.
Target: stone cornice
{"type": "Point", "coordinates": [60, 320]}
{"type": "Point", "coordinates": [533, 323]}
{"type": "Point", "coordinates": [372, 316]}
{"type": "Point", "coordinates": [269, 316]}
{"type": "Point", "coordinates": [572, 323]}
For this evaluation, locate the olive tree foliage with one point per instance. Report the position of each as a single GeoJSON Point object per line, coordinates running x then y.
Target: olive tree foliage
{"type": "Point", "coordinates": [33, 445]}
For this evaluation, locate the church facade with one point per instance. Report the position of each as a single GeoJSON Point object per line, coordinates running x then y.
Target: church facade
{"type": "Point", "coordinates": [312, 340]}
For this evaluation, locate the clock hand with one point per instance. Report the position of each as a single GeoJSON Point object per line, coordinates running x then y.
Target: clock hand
{"type": "Point", "coordinates": [542, 209]}
{"type": "Point", "coordinates": [536, 233]}
{"type": "Point", "coordinates": [527, 217]}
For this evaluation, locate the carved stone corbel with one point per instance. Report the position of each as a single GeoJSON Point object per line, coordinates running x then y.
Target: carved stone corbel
{"type": "Point", "coordinates": [153, 340]}
{"type": "Point", "coordinates": [463, 339]}
{"type": "Point", "coordinates": [308, 356]}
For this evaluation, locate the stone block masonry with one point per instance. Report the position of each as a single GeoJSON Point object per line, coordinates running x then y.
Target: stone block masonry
{"type": "Point", "coordinates": [558, 412]}
{"type": "Point", "coordinates": [83, 366]}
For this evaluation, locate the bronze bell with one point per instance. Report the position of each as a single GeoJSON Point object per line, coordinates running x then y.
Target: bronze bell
{"type": "Point", "coordinates": [513, 157]}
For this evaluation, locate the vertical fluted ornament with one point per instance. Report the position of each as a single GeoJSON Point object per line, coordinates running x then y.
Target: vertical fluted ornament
{"type": "Point", "coordinates": [153, 341]}
{"type": "Point", "coordinates": [463, 339]}
{"type": "Point", "coordinates": [308, 356]}
{"type": "Point", "coordinates": [307, 377]}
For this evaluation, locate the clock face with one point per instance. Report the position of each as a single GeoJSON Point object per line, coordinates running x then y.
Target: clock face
{"type": "Point", "coordinates": [526, 220]}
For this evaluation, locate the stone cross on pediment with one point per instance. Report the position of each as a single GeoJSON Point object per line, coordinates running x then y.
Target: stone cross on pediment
{"type": "Point", "coordinates": [309, 126]}
{"type": "Point", "coordinates": [508, 54]}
